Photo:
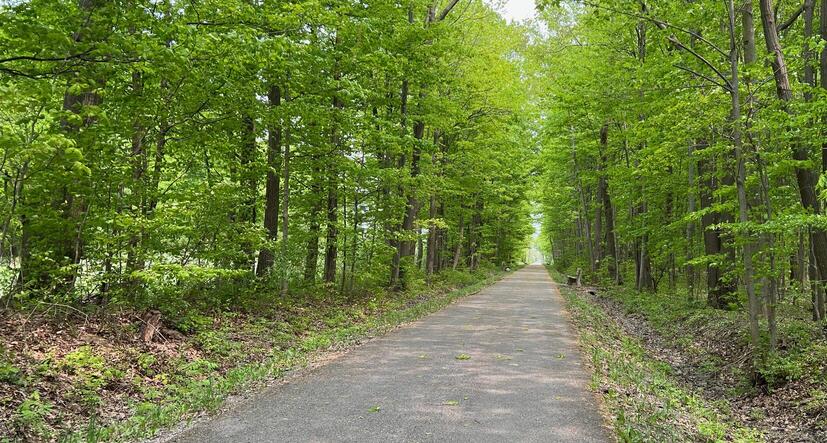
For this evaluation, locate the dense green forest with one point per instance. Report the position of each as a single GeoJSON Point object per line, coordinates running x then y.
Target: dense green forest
{"type": "Point", "coordinates": [257, 180]}
{"type": "Point", "coordinates": [684, 148]}
{"type": "Point", "coordinates": [152, 150]}
{"type": "Point", "coordinates": [683, 171]}
{"type": "Point", "coordinates": [284, 172]}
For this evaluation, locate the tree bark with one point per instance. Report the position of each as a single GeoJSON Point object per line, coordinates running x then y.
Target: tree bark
{"type": "Point", "coordinates": [690, 227]}
{"type": "Point", "coordinates": [458, 247]}
{"type": "Point", "coordinates": [608, 209]}
{"type": "Point", "coordinates": [430, 259]}
{"type": "Point", "coordinates": [741, 177]}
{"type": "Point", "coordinates": [285, 204]}
{"type": "Point", "coordinates": [805, 177]}
{"type": "Point", "coordinates": [719, 290]}
{"type": "Point", "coordinates": [586, 228]}
{"type": "Point", "coordinates": [271, 190]}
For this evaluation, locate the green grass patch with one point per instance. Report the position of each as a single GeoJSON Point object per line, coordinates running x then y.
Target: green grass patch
{"type": "Point", "coordinates": [645, 401]}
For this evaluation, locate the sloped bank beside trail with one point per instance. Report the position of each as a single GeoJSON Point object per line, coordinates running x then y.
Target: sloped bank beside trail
{"type": "Point", "coordinates": [685, 378]}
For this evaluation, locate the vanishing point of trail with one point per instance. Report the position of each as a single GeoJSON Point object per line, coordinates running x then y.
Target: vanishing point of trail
{"type": "Point", "coordinates": [499, 366]}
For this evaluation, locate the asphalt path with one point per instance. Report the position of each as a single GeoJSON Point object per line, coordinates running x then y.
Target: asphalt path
{"type": "Point", "coordinates": [499, 366]}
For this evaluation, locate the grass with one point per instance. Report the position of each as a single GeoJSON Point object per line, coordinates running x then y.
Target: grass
{"type": "Point", "coordinates": [643, 397]}
{"type": "Point", "coordinates": [684, 322]}
{"type": "Point", "coordinates": [235, 353]}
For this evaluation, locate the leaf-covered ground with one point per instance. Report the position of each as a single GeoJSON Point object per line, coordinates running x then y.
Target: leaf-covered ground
{"type": "Point", "coordinates": [683, 374]}
{"type": "Point", "coordinates": [66, 375]}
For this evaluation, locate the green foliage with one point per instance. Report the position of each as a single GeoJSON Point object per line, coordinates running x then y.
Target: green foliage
{"type": "Point", "coordinates": [31, 415]}
{"type": "Point", "coordinates": [645, 400]}
{"type": "Point", "coordinates": [637, 171]}
{"type": "Point", "coordinates": [89, 372]}
{"type": "Point", "coordinates": [778, 370]}
{"type": "Point", "coordinates": [145, 158]}
{"type": "Point", "coordinates": [9, 373]}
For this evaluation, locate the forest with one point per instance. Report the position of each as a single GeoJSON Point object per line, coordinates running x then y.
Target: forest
{"type": "Point", "coordinates": [197, 196]}
{"type": "Point", "coordinates": [170, 164]}
{"type": "Point", "coordinates": [683, 170]}
{"type": "Point", "coordinates": [152, 148]}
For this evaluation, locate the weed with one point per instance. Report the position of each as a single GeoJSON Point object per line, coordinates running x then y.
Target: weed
{"type": "Point", "coordinates": [32, 413]}
{"type": "Point", "coordinates": [647, 404]}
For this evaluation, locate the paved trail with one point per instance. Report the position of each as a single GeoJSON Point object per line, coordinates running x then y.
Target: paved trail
{"type": "Point", "coordinates": [523, 383]}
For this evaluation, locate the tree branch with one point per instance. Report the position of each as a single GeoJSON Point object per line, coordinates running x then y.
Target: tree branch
{"type": "Point", "coordinates": [662, 25]}
{"type": "Point", "coordinates": [677, 43]}
{"type": "Point", "coordinates": [791, 20]}
{"type": "Point", "coordinates": [447, 10]}
{"type": "Point", "coordinates": [704, 76]}
{"type": "Point", "coordinates": [31, 58]}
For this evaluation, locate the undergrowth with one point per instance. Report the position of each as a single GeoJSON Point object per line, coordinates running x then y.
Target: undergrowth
{"type": "Point", "coordinates": [116, 389]}
{"type": "Point", "coordinates": [642, 395]}
{"type": "Point", "coordinates": [802, 349]}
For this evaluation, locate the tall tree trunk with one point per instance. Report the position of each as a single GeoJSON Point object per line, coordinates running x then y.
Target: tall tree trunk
{"type": "Point", "coordinates": [249, 184]}
{"type": "Point", "coordinates": [441, 250]}
{"type": "Point", "coordinates": [822, 30]}
{"type": "Point", "coordinates": [134, 259]}
{"type": "Point", "coordinates": [271, 190]}
{"type": "Point", "coordinates": [311, 259]}
{"type": "Point", "coordinates": [331, 242]}
{"type": "Point", "coordinates": [474, 234]}
{"type": "Point", "coordinates": [817, 291]}
{"type": "Point", "coordinates": [718, 288]}
{"type": "Point", "coordinates": [397, 242]}
{"type": "Point", "coordinates": [690, 227]}
{"type": "Point", "coordinates": [805, 177]}
{"type": "Point", "coordinates": [584, 208]}
{"type": "Point", "coordinates": [430, 259]}
{"type": "Point", "coordinates": [741, 177]}
{"type": "Point", "coordinates": [458, 247]}
{"type": "Point", "coordinates": [608, 210]}
{"type": "Point", "coordinates": [285, 204]}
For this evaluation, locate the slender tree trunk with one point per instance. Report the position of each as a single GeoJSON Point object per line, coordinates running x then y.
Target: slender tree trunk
{"type": "Point", "coordinates": [584, 208]}
{"type": "Point", "coordinates": [137, 199]}
{"type": "Point", "coordinates": [690, 227]}
{"type": "Point", "coordinates": [345, 251]}
{"type": "Point", "coordinates": [741, 176]}
{"type": "Point", "coordinates": [805, 177]}
{"type": "Point", "coordinates": [406, 246]}
{"type": "Point", "coordinates": [458, 247]}
{"type": "Point", "coordinates": [608, 209]}
{"type": "Point", "coordinates": [718, 289]}
{"type": "Point", "coordinates": [271, 190]}
{"type": "Point", "coordinates": [433, 212]}
{"type": "Point", "coordinates": [798, 262]}
{"type": "Point", "coordinates": [474, 235]}
{"type": "Point", "coordinates": [397, 242]}
{"type": "Point", "coordinates": [430, 260]}
{"type": "Point", "coordinates": [285, 205]}
{"type": "Point", "coordinates": [822, 30]}
{"type": "Point", "coordinates": [331, 242]}
{"type": "Point", "coordinates": [817, 291]}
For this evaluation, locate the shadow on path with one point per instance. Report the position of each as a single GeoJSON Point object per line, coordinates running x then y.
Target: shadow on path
{"type": "Point", "coordinates": [523, 382]}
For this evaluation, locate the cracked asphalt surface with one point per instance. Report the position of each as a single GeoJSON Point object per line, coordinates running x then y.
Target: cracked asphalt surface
{"type": "Point", "coordinates": [523, 382]}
